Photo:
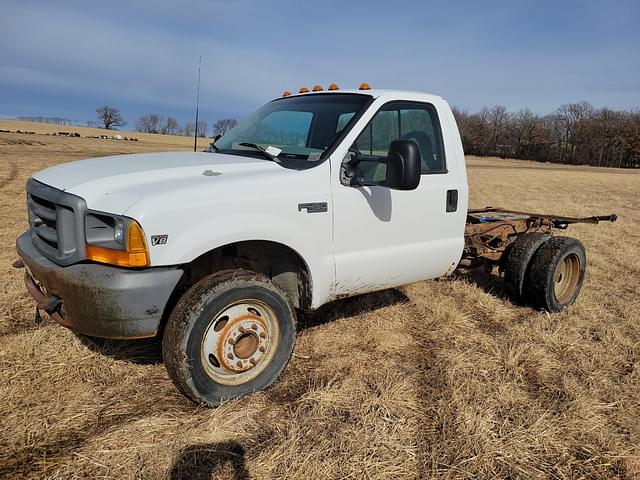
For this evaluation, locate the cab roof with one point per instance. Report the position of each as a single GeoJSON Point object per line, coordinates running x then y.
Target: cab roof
{"type": "Point", "coordinates": [375, 93]}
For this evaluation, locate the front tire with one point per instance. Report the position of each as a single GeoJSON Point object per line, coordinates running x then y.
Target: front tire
{"type": "Point", "coordinates": [231, 334]}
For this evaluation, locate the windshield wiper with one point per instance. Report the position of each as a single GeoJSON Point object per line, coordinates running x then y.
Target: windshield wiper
{"type": "Point", "coordinates": [268, 155]}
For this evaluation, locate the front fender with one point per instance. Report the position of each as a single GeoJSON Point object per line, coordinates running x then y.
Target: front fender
{"type": "Point", "coordinates": [186, 244]}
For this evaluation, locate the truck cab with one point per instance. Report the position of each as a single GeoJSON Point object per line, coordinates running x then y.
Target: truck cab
{"type": "Point", "coordinates": [316, 196]}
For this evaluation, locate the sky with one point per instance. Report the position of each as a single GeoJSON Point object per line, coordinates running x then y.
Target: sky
{"type": "Point", "coordinates": [65, 58]}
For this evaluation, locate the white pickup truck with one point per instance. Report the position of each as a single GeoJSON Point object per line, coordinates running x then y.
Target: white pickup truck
{"type": "Point", "coordinates": [314, 197]}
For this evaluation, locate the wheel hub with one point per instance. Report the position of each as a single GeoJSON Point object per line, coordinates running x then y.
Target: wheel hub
{"type": "Point", "coordinates": [239, 342]}
{"type": "Point", "coordinates": [567, 277]}
{"type": "Point", "coordinates": [242, 343]}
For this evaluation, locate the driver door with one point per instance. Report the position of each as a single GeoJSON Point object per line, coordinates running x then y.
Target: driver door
{"type": "Point", "coordinates": [383, 237]}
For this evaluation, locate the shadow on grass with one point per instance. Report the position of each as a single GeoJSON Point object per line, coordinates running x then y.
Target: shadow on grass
{"type": "Point", "coordinates": [350, 307]}
{"type": "Point", "coordinates": [489, 282]}
{"type": "Point", "coordinates": [148, 351]}
{"type": "Point", "coordinates": [203, 461]}
{"type": "Point", "coordinates": [145, 351]}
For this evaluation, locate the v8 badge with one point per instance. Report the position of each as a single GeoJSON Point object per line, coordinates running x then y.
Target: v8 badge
{"type": "Point", "coordinates": [159, 239]}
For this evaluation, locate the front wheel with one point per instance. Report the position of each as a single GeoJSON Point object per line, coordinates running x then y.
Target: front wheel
{"type": "Point", "coordinates": [232, 333]}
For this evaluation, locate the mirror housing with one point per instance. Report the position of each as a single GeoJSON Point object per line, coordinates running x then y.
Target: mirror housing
{"type": "Point", "coordinates": [404, 165]}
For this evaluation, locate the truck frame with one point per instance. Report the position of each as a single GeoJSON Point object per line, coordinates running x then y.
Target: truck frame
{"type": "Point", "coordinates": [490, 231]}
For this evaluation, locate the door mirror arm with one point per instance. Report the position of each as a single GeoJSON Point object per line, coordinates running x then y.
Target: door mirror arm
{"type": "Point", "coordinates": [403, 165]}
{"type": "Point", "coordinates": [349, 168]}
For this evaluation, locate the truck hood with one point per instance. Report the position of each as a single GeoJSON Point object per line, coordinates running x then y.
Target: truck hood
{"type": "Point", "coordinates": [114, 183]}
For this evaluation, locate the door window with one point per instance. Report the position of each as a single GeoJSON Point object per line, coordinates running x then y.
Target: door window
{"type": "Point", "coordinates": [401, 120]}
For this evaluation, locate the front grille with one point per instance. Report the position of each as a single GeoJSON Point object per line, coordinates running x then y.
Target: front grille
{"type": "Point", "coordinates": [56, 222]}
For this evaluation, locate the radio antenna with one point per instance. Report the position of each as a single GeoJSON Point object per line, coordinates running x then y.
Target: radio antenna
{"type": "Point", "coordinates": [195, 133]}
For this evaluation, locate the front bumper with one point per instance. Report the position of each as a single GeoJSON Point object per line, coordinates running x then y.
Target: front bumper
{"type": "Point", "coordinates": [98, 300]}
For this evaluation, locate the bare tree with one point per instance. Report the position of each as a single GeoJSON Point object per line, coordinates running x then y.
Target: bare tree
{"type": "Point", "coordinates": [202, 128]}
{"type": "Point", "coordinates": [149, 123]}
{"type": "Point", "coordinates": [524, 130]}
{"type": "Point", "coordinates": [223, 126]}
{"type": "Point", "coordinates": [171, 126]}
{"type": "Point", "coordinates": [498, 118]}
{"type": "Point", "coordinates": [109, 117]}
{"type": "Point", "coordinates": [575, 117]}
{"type": "Point", "coordinates": [189, 128]}
{"type": "Point", "coordinates": [631, 139]}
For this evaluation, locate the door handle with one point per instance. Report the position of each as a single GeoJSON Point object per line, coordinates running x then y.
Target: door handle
{"type": "Point", "coordinates": [452, 200]}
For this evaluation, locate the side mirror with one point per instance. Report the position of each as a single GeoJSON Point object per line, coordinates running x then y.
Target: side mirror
{"type": "Point", "coordinates": [403, 165]}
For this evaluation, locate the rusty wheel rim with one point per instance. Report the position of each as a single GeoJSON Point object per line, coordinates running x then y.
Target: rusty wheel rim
{"type": "Point", "coordinates": [566, 277]}
{"type": "Point", "coordinates": [240, 342]}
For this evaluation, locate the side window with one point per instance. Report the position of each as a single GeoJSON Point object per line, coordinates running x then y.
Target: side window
{"type": "Point", "coordinates": [285, 128]}
{"type": "Point", "coordinates": [402, 120]}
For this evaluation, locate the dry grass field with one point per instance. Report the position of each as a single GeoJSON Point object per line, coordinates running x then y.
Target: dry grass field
{"type": "Point", "coordinates": [444, 379]}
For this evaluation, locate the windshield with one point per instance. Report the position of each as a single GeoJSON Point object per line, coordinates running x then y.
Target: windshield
{"type": "Point", "coordinates": [302, 127]}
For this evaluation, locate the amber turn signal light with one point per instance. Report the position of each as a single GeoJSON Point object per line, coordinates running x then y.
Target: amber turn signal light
{"type": "Point", "coordinates": [135, 255]}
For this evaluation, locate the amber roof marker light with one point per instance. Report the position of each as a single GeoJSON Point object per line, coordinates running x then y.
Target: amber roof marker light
{"type": "Point", "coordinates": [364, 86]}
{"type": "Point", "coordinates": [303, 90]}
{"type": "Point", "coordinates": [317, 88]}
{"type": "Point", "coordinates": [333, 86]}
{"type": "Point", "coordinates": [286, 93]}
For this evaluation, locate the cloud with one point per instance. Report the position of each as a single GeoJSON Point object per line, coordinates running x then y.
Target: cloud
{"type": "Point", "coordinates": [144, 56]}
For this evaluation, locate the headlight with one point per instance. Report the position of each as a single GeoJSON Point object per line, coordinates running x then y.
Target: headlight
{"type": "Point", "coordinates": [115, 240]}
{"type": "Point", "coordinates": [118, 232]}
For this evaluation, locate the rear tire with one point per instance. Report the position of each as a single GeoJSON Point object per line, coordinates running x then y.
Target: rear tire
{"type": "Point", "coordinates": [556, 274]}
{"type": "Point", "coordinates": [517, 261]}
{"type": "Point", "coordinates": [231, 334]}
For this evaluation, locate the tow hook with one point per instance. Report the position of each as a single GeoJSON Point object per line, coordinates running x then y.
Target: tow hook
{"type": "Point", "coordinates": [50, 306]}
{"type": "Point", "coordinates": [18, 263]}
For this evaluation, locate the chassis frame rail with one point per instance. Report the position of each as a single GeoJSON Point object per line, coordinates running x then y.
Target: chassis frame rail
{"type": "Point", "coordinates": [489, 231]}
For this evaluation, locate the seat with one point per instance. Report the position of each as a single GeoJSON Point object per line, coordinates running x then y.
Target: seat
{"type": "Point", "coordinates": [429, 163]}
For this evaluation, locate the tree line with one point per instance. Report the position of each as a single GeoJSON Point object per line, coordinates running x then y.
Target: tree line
{"type": "Point", "coordinates": [110, 117]}
{"type": "Point", "coordinates": [576, 134]}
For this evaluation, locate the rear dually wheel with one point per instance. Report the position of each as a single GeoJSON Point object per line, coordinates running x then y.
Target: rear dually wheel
{"type": "Point", "coordinates": [556, 274]}
{"type": "Point", "coordinates": [517, 260]}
